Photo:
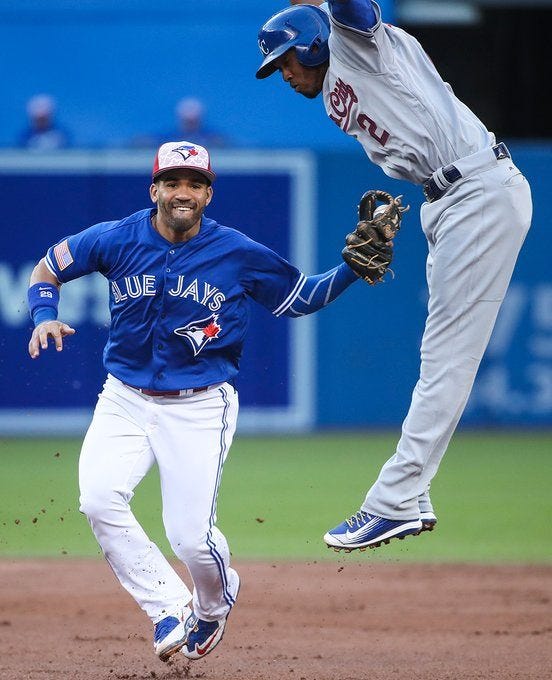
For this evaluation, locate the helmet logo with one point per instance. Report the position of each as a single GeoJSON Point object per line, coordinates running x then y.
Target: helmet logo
{"type": "Point", "coordinates": [263, 46]}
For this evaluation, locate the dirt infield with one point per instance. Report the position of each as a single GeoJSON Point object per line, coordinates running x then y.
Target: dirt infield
{"type": "Point", "coordinates": [343, 620]}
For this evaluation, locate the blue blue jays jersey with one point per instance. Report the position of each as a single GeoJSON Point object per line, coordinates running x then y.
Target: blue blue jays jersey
{"type": "Point", "coordinates": [179, 311]}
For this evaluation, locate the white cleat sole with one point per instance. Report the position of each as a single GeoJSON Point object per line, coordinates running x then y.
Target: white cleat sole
{"type": "Point", "coordinates": [407, 529]}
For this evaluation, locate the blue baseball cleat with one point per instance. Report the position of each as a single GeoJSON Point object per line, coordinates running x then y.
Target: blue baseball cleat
{"type": "Point", "coordinates": [202, 636]}
{"type": "Point", "coordinates": [170, 635]}
{"type": "Point", "coordinates": [363, 530]}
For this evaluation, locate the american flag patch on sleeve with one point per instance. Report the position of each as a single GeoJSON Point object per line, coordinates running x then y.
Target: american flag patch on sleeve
{"type": "Point", "coordinates": [63, 255]}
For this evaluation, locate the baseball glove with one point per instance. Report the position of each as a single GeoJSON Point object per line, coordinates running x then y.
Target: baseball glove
{"type": "Point", "coordinates": [369, 248]}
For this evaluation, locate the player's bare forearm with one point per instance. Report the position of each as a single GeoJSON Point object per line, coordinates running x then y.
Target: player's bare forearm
{"type": "Point", "coordinates": [51, 328]}
{"type": "Point", "coordinates": [41, 273]}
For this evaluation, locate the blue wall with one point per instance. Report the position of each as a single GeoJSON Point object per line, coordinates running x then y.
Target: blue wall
{"type": "Point", "coordinates": [71, 191]}
{"type": "Point", "coordinates": [379, 328]}
{"type": "Point", "coordinates": [117, 70]}
{"type": "Point", "coordinates": [366, 358]}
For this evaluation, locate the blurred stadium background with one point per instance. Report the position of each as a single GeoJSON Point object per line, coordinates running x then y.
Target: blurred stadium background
{"type": "Point", "coordinates": [340, 382]}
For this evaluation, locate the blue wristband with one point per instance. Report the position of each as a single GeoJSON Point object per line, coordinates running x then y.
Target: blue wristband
{"type": "Point", "coordinates": [43, 299]}
{"type": "Point", "coordinates": [41, 314]}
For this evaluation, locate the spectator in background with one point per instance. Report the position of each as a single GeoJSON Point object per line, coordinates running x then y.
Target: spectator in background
{"type": "Point", "coordinates": [190, 115]}
{"type": "Point", "coordinates": [190, 124]}
{"type": "Point", "coordinates": [43, 133]}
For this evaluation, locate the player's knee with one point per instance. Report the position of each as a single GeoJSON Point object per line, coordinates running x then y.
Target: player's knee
{"type": "Point", "coordinates": [413, 468]}
{"type": "Point", "coordinates": [187, 545]}
{"type": "Point", "coordinates": [101, 505]}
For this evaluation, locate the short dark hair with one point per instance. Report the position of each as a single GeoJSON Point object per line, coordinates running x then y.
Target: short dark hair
{"type": "Point", "coordinates": [163, 176]}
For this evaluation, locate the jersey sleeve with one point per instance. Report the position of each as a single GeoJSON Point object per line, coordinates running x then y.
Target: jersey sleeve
{"type": "Point", "coordinates": [319, 290]}
{"type": "Point", "coordinates": [269, 279]}
{"type": "Point", "coordinates": [360, 46]}
{"type": "Point", "coordinates": [76, 255]}
{"type": "Point", "coordinates": [359, 14]}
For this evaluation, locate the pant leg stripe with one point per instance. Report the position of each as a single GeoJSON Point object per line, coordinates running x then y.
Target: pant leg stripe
{"type": "Point", "coordinates": [218, 559]}
{"type": "Point", "coordinates": [222, 452]}
{"type": "Point", "coordinates": [212, 547]}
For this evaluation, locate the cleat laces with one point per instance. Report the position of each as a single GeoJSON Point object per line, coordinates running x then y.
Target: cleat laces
{"type": "Point", "coordinates": [358, 518]}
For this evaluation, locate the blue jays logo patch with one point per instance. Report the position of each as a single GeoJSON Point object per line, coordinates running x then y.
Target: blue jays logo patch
{"type": "Point", "coordinates": [186, 151]}
{"type": "Point", "coordinates": [199, 333]}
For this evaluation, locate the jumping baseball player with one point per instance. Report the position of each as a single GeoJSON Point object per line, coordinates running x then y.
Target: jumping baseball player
{"type": "Point", "coordinates": [180, 285]}
{"type": "Point", "coordinates": [379, 86]}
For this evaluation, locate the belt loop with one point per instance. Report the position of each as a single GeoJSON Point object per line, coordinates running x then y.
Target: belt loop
{"type": "Point", "coordinates": [440, 179]}
{"type": "Point", "coordinates": [445, 177]}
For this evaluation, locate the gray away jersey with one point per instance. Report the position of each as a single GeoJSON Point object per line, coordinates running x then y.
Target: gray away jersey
{"type": "Point", "coordinates": [382, 89]}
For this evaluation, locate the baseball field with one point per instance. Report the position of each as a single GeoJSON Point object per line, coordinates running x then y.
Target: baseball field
{"type": "Point", "coordinates": [473, 599]}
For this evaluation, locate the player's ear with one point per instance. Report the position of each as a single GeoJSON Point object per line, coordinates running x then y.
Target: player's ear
{"type": "Point", "coordinates": [153, 192]}
{"type": "Point", "coordinates": [209, 194]}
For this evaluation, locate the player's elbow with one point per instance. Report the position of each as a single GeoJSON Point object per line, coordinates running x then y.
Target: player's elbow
{"type": "Point", "coordinates": [41, 274]}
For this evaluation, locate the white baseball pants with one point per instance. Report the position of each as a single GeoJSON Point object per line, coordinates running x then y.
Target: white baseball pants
{"type": "Point", "coordinates": [474, 234]}
{"type": "Point", "coordinates": [189, 438]}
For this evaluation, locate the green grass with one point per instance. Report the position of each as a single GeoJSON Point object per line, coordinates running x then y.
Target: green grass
{"type": "Point", "coordinates": [279, 495]}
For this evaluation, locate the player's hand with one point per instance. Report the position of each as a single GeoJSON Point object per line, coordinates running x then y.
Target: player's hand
{"type": "Point", "coordinates": [53, 329]}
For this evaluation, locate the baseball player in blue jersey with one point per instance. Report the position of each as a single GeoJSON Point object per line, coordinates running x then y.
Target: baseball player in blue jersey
{"type": "Point", "coordinates": [180, 286]}
{"type": "Point", "coordinates": [379, 86]}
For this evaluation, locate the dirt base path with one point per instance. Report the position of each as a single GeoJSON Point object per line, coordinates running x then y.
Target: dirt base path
{"type": "Point", "coordinates": [346, 620]}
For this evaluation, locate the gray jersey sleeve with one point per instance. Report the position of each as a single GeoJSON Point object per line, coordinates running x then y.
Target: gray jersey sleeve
{"type": "Point", "coordinates": [361, 50]}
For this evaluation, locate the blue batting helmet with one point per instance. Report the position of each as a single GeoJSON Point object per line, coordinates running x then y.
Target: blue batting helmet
{"type": "Point", "coordinates": [305, 27]}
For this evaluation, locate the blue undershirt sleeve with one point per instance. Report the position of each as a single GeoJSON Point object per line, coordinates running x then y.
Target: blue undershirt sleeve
{"type": "Point", "coordinates": [354, 13]}
{"type": "Point", "coordinates": [319, 290]}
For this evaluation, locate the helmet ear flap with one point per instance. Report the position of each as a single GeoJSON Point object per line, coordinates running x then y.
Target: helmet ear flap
{"type": "Point", "coordinates": [314, 54]}
{"type": "Point", "coordinates": [315, 46]}
{"type": "Point", "coordinates": [320, 50]}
